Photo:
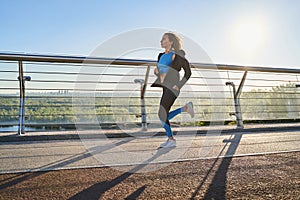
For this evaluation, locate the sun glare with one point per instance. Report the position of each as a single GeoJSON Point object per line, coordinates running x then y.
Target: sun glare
{"type": "Point", "coordinates": [248, 36]}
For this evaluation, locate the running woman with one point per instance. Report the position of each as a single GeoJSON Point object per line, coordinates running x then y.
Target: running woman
{"type": "Point", "coordinates": [169, 63]}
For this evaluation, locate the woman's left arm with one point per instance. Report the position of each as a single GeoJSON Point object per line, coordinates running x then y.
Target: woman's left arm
{"type": "Point", "coordinates": [187, 73]}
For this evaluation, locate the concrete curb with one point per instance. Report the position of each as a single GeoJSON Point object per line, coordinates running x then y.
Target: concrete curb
{"type": "Point", "coordinates": [43, 136]}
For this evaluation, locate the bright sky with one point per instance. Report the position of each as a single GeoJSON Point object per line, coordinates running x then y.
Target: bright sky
{"type": "Point", "coordinates": [253, 32]}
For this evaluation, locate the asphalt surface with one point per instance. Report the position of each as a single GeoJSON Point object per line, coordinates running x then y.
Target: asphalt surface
{"type": "Point", "coordinates": [268, 176]}
{"type": "Point", "coordinates": [259, 162]}
{"type": "Point", "coordinates": [45, 155]}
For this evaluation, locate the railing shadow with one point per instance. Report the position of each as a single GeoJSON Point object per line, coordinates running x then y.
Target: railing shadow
{"type": "Point", "coordinates": [58, 164]}
{"type": "Point", "coordinates": [136, 194]}
{"type": "Point", "coordinates": [217, 187]}
{"type": "Point", "coordinates": [98, 189]}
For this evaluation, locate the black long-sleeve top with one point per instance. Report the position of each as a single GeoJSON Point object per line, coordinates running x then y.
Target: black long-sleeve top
{"type": "Point", "coordinates": [172, 77]}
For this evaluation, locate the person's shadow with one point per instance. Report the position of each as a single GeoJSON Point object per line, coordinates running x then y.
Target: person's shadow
{"type": "Point", "coordinates": [217, 187]}
{"type": "Point", "coordinates": [98, 189]}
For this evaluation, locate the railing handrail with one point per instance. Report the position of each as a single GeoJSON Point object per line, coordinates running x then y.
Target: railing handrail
{"type": "Point", "coordinates": [122, 61]}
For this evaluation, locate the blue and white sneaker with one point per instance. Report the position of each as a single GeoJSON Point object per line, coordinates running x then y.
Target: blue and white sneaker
{"type": "Point", "coordinates": [190, 109]}
{"type": "Point", "coordinates": [169, 143]}
{"type": "Point", "coordinates": [164, 144]}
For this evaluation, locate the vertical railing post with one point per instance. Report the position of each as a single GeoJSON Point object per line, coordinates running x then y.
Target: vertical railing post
{"type": "Point", "coordinates": [143, 83]}
{"type": "Point", "coordinates": [238, 111]}
{"type": "Point", "coordinates": [21, 129]}
{"type": "Point", "coordinates": [143, 105]}
{"type": "Point", "coordinates": [237, 105]}
{"type": "Point", "coordinates": [22, 79]}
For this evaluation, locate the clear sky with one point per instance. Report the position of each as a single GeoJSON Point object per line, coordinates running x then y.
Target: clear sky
{"type": "Point", "coordinates": [245, 32]}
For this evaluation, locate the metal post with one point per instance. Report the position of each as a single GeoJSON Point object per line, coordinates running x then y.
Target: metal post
{"type": "Point", "coordinates": [21, 129]}
{"type": "Point", "coordinates": [238, 111]}
{"type": "Point", "coordinates": [237, 105]}
{"type": "Point", "coordinates": [144, 118]}
{"type": "Point", "coordinates": [143, 105]}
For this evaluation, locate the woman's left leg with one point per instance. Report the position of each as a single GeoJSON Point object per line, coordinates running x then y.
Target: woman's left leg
{"type": "Point", "coordinates": [175, 112]}
{"type": "Point", "coordinates": [166, 102]}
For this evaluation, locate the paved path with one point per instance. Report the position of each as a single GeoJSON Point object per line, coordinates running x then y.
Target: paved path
{"type": "Point", "coordinates": [27, 156]}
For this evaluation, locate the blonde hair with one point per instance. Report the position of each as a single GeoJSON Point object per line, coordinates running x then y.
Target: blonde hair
{"type": "Point", "coordinates": [177, 42]}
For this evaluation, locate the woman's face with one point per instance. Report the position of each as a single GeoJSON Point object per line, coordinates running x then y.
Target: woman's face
{"type": "Point", "coordinates": [165, 42]}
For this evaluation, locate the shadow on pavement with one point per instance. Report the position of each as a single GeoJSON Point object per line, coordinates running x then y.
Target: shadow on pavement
{"type": "Point", "coordinates": [98, 189]}
{"type": "Point", "coordinates": [136, 194]}
{"type": "Point", "coordinates": [217, 188]}
{"type": "Point", "coordinates": [58, 164]}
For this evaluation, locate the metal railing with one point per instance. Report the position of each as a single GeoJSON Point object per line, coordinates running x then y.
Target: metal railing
{"type": "Point", "coordinates": [262, 93]}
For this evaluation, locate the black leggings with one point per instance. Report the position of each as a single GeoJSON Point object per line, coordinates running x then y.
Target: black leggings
{"type": "Point", "coordinates": [167, 100]}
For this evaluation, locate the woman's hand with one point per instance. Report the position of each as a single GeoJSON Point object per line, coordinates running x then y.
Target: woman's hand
{"type": "Point", "coordinates": [175, 87]}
